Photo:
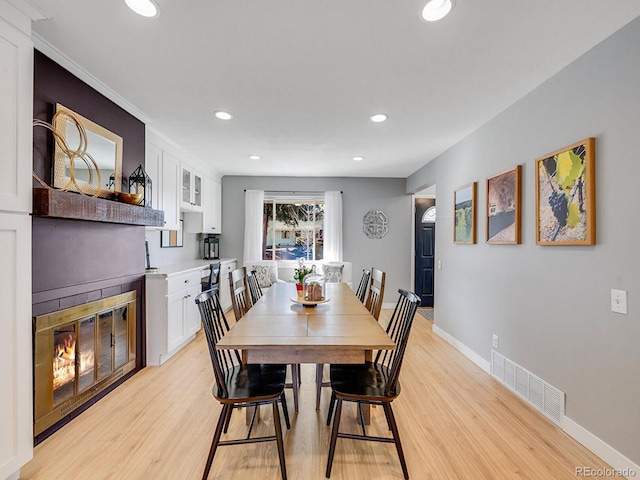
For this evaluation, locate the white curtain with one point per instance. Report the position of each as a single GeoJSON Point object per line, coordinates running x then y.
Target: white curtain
{"type": "Point", "coordinates": [332, 227]}
{"type": "Point", "coordinates": [253, 211]}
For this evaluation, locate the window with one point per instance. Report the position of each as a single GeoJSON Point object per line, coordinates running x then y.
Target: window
{"type": "Point", "coordinates": [293, 228]}
{"type": "Point", "coordinates": [429, 216]}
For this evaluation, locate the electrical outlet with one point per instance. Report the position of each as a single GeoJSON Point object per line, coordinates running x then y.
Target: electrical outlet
{"type": "Point", "coordinates": [439, 264]}
{"type": "Point", "coordinates": [496, 341]}
{"type": "Point", "coordinates": [619, 301]}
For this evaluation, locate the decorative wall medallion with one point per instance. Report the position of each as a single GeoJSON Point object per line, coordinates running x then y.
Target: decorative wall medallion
{"type": "Point", "coordinates": [375, 224]}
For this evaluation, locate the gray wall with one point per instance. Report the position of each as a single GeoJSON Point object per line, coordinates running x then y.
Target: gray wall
{"type": "Point", "coordinates": [550, 305]}
{"type": "Point", "coordinates": [391, 253]}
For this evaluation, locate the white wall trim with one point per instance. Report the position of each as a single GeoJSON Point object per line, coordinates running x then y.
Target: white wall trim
{"type": "Point", "coordinates": [57, 56]}
{"type": "Point", "coordinates": [618, 461]}
{"type": "Point", "coordinates": [621, 465]}
{"type": "Point", "coordinates": [462, 348]}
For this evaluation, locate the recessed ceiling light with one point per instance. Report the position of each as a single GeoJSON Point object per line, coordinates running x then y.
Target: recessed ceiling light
{"type": "Point", "coordinates": [436, 10]}
{"type": "Point", "coordinates": [146, 8]}
{"type": "Point", "coordinates": [359, 158]}
{"type": "Point", "coordinates": [379, 117]}
{"type": "Point", "coordinates": [254, 157]}
{"type": "Point", "coordinates": [223, 115]}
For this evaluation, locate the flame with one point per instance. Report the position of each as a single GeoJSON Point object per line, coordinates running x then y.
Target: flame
{"type": "Point", "coordinates": [64, 362]}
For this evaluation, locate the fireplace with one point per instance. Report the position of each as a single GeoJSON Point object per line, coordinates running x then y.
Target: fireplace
{"type": "Point", "coordinates": [80, 351]}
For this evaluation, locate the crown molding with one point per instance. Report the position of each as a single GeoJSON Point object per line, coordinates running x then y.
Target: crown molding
{"type": "Point", "coordinates": [56, 55]}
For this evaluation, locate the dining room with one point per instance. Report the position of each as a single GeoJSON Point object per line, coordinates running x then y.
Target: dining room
{"type": "Point", "coordinates": [525, 367]}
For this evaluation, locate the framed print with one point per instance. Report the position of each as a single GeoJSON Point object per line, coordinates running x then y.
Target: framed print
{"type": "Point", "coordinates": [464, 214]}
{"type": "Point", "coordinates": [503, 207]}
{"type": "Point", "coordinates": [171, 238]}
{"type": "Point", "coordinates": [565, 196]}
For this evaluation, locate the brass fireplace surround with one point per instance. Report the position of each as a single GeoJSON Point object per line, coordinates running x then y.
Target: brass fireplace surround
{"type": "Point", "coordinates": [105, 336]}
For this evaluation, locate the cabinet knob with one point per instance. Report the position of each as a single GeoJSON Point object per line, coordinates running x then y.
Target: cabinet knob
{"type": "Point", "coordinates": [186, 281]}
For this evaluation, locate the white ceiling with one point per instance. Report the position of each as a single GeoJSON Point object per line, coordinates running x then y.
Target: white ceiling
{"type": "Point", "coordinates": [302, 77]}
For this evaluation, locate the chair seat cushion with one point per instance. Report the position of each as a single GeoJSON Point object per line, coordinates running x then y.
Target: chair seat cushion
{"type": "Point", "coordinates": [362, 381]}
{"type": "Point", "coordinates": [247, 382]}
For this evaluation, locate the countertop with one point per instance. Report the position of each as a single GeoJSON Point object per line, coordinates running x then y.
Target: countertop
{"type": "Point", "coordinates": [184, 267]}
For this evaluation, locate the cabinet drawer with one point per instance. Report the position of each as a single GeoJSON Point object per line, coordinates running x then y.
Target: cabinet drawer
{"type": "Point", "coordinates": [182, 282]}
{"type": "Point", "coordinates": [227, 267]}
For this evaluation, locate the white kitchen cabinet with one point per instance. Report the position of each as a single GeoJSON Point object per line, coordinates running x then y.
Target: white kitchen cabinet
{"type": "Point", "coordinates": [16, 163]}
{"type": "Point", "coordinates": [191, 196]}
{"type": "Point", "coordinates": [16, 132]}
{"type": "Point", "coordinates": [209, 221]}
{"type": "Point", "coordinates": [225, 290]}
{"type": "Point", "coordinates": [164, 171]}
{"type": "Point", "coordinates": [172, 316]}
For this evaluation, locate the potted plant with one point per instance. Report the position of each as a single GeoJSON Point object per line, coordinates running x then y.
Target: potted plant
{"type": "Point", "coordinates": [301, 272]}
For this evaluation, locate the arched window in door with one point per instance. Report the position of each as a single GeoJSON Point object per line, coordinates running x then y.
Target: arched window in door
{"type": "Point", "coordinates": [429, 215]}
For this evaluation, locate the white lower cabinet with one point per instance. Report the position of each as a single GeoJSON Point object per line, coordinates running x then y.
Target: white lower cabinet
{"type": "Point", "coordinates": [172, 315]}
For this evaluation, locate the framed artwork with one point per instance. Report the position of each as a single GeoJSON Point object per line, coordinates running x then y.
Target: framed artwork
{"type": "Point", "coordinates": [464, 214]}
{"type": "Point", "coordinates": [503, 207]}
{"type": "Point", "coordinates": [171, 238]}
{"type": "Point", "coordinates": [565, 196]}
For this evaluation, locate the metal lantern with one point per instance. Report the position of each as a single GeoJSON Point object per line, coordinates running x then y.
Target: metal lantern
{"type": "Point", "coordinates": [211, 247]}
{"type": "Point", "coordinates": [140, 182]}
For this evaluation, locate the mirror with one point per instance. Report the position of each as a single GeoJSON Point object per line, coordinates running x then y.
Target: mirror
{"type": "Point", "coordinates": [102, 146]}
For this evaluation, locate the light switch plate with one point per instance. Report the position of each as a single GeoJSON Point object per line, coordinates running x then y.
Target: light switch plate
{"type": "Point", "coordinates": [619, 301]}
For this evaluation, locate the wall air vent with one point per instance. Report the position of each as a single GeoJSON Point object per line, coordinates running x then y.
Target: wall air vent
{"type": "Point", "coordinates": [543, 396]}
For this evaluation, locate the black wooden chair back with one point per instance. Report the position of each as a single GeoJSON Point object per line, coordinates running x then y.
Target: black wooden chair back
{"type": "Point", "coordinates": [254, 287]}
{"type": "Point", "coordinates": [363, 287]}
{"type": "Point", "coordinates": [239, 292]}
{"type": "Point", "coordinates": [214, 277]}
{"type": "Point", "coordinates": [398, 329]}
{"type": "Point", "coordinates": [376, 292]}
{"type": "Point", "coordinates": [215, 327]}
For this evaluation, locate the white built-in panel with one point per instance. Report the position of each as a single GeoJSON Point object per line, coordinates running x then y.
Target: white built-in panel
{"type": "Point", "coordinates": [170, 190]}
{"type": "Point", "coordinates": [16, 110]}
{"type": "Point", "coordinates": [16, 394]}
{"type": "Point", "coordinates": [153, 167]}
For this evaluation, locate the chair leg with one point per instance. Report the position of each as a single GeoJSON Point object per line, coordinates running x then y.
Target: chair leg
{"type": "Point", "coordinates": [216, 439]}
{"type": "Point", "coordinates": [295, 380]}
{"type": "Point", "coordinates": [227, 419]}
{"type": "Point", "coordinates": [276, 421]}
{"type": "Point", "coordinates": [319, 368]}
{"type": "Point", "coordinates": [334, 437]}
{"type": "Point", "coordinates": [332, 403]}
{"type": "Point", "coordinates": [396, 436]}
{"type": "Point", "coordinates": [285, 410]}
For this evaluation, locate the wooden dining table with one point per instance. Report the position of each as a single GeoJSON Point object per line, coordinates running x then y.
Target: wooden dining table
{"type": "Point", "coordinates": [279, 329]}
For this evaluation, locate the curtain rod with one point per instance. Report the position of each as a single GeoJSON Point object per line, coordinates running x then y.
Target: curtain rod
{"type": "Point", "coordinates": [294, 192]}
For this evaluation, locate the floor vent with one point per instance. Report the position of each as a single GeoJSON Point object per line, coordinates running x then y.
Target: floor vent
{"type": "Point", "coordinates": [546, 398]}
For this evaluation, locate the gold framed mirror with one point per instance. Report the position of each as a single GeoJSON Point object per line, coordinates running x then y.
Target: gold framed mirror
{"type": "Point", "coordinates": [88, 146]}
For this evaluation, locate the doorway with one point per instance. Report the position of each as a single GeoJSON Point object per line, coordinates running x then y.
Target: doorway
{"type": "Point", "coordinates": [424, 254]}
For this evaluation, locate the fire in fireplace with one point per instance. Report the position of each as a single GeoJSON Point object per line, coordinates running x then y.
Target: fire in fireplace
{"type": "Point", "coordinates": [80, 351]}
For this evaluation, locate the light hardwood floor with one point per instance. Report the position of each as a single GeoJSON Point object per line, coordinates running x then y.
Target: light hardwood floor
{"type": "Point", "coordinates": [455, 421]}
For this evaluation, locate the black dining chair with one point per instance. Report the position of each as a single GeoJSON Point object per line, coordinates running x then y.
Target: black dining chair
{"type": "Point", "coordinates": [255, 292]}
{"type": "Point", "coordinates": [376, 292]}
{"type": "Point", "coordinates": [240, 385]}
{"type": "Point", "coordinates": [373, 304]}
{"type": "Point", "coordinates": [242, 299]}
{"type": "Point", "coordinates": [374, 383]}
{"type": "Point", "coordinates": [214, 277]}
{"type": "Point", "coordinates": [363, 287]}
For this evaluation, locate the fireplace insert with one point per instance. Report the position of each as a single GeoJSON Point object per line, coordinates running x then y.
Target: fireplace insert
{"type": "Point", "coordinates": [80, 351]}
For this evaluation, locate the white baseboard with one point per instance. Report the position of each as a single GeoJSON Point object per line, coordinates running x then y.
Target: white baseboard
{"type": "Point", "coordinates": [621, 465]}
{"type": "Point", "coordinates": [462, 348]}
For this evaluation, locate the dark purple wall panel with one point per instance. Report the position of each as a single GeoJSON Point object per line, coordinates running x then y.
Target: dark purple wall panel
{"type": "Point", "coordinates": [75, 262]}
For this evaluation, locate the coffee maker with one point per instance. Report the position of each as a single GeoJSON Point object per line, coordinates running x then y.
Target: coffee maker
{"type": "Point", "coordinates": [211, 247]}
